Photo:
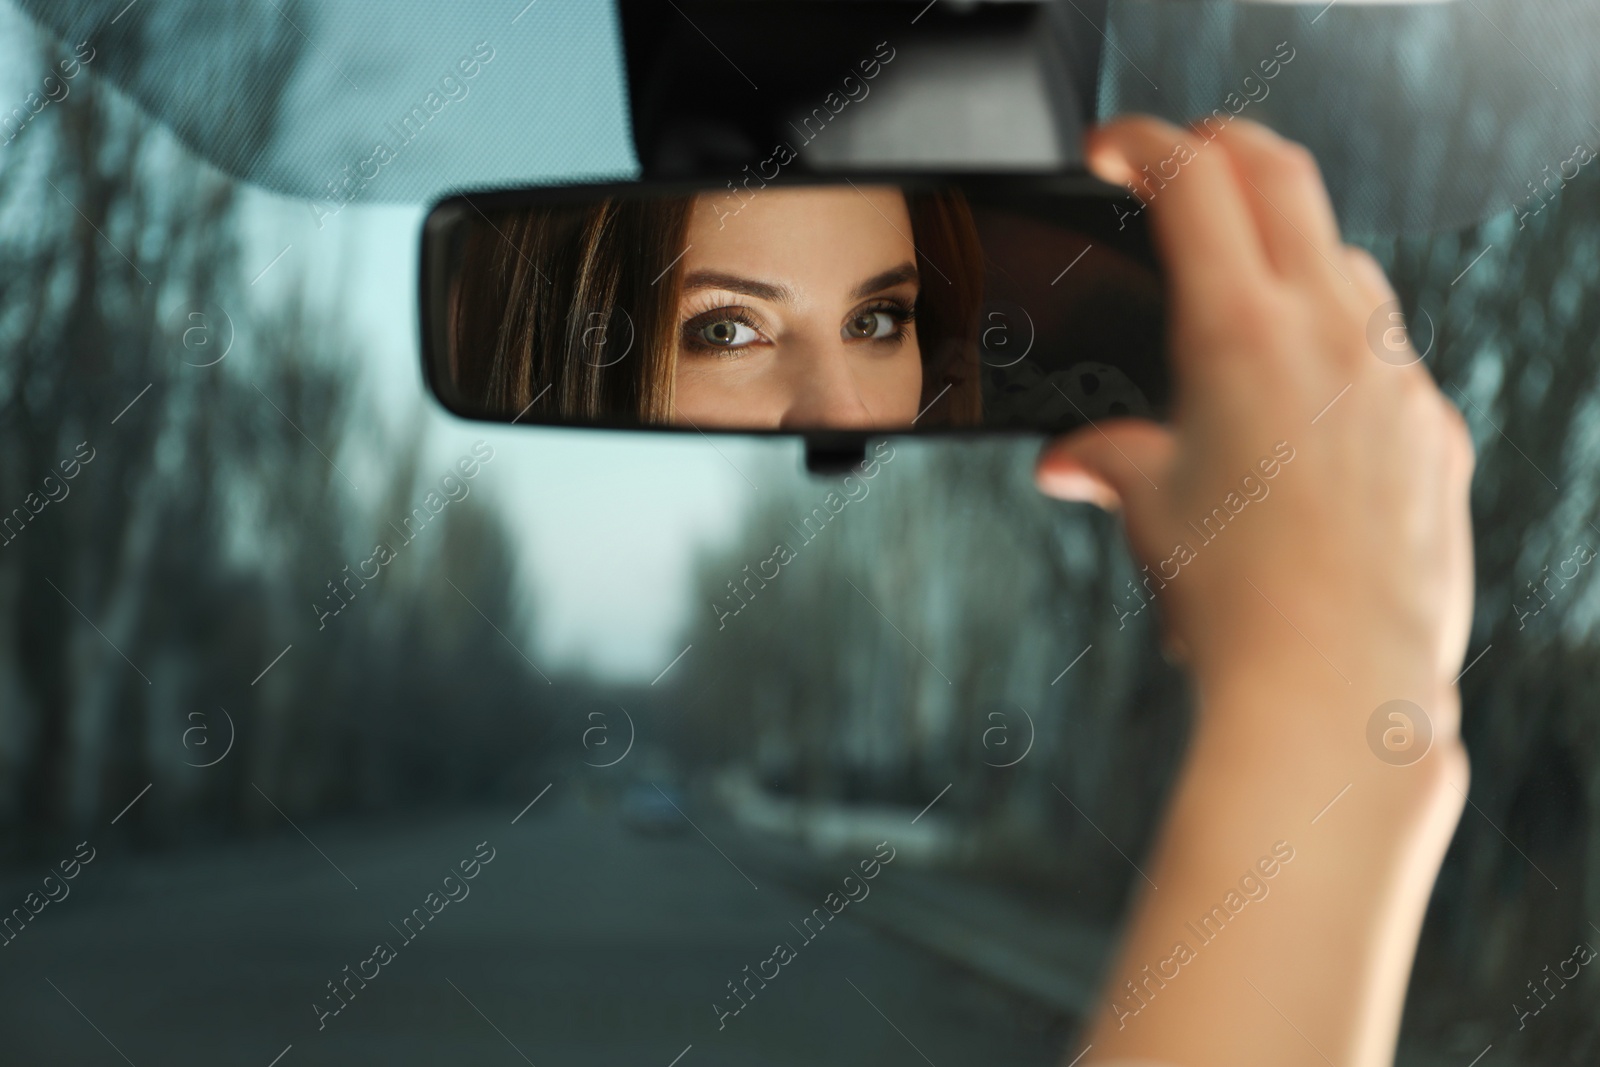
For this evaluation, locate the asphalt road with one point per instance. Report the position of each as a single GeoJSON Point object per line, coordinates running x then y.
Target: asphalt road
{"type": "Point", "coordinates": [579, 943]}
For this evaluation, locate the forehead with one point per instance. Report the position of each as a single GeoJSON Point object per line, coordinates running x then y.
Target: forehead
{"type": "Point", "coordinates": [814, 239]}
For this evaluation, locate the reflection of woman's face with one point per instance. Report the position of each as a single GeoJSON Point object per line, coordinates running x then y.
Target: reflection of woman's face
{"type": "Point", "coordinates": [796, 312]}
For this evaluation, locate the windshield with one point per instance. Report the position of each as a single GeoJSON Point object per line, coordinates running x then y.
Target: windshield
{"type": "Point", "coordinates": [372, 734]}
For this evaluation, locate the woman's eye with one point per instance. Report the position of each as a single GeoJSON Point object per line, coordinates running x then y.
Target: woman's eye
{"type": "Point", "coordinates": [727, 333]}
{"type": "Point", "coordinates": [871, 325]}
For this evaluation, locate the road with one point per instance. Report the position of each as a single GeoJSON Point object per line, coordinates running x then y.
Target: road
{"type": "Point", "coordinates": [579, 943]}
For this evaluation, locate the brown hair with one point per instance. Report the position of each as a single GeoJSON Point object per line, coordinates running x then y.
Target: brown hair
{"type": "Point", "coordinates": [950, 264]}
{"type": "Point", "coordinates": [575, 307]}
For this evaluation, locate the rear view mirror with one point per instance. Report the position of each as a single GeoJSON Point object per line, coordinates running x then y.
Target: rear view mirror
{"type": "Point", "coordinates": [833, 307]}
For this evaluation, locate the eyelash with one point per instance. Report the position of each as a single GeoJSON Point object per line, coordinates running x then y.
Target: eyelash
{"type": "Point", "coordinates": [902, 313]}
{"type": "Point", "coordinates": [692, 326]}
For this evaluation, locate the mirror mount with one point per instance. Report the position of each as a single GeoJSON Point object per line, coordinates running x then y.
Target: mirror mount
{"type": "Point", "coordinates": [716, 86]}
{"type": "Point", "coordinates": [833, 455]}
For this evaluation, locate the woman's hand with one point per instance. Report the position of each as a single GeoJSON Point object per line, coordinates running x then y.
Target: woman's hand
{"type": "Point", "coordinates": [1309, 504]}
{"type": "Point", "coordinates": [1305, 527]}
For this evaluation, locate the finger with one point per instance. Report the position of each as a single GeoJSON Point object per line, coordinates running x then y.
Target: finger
{"type": "Point", "coordinates": [1118, 463]}
{"type": "Point", "coordinates": [1460, 459]}
{"type": "Point", "coordinates": [1284, 190]}
{"type": "Point", "coordinates": [1204, 231]}
{"type": "Point", "coordinates": [1388, 331]}
{"type": "Point", "coordinates": [1371, 281]}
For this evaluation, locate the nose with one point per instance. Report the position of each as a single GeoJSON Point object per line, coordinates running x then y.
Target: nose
{"type": "Point", "coordinates": [824, 393]}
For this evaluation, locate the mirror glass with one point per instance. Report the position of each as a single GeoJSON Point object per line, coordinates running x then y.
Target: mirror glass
{"type": "Point", "coordinates": [856, 305]}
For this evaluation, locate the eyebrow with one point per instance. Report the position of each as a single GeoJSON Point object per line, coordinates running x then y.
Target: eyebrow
{"type": "Point", "coordinates": [781, 294]}
{"type": "Point", "coordinates": [905, 272]}
{"type": "Point", "coordinates": [733, 283]}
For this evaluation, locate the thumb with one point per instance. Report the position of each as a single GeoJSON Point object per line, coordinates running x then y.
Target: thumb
{"type": "Point", "coordinates": [1115, 464]}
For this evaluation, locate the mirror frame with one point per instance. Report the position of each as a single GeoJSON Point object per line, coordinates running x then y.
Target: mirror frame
{"type": "Point", "coordinates": [1050, 196]}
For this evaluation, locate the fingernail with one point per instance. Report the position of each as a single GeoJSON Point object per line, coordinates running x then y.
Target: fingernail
{"type": "Point", "coordinates": [1109, 164]}
{"type": "Point", "coordinates": [1075, 485]}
